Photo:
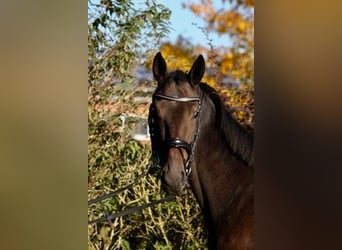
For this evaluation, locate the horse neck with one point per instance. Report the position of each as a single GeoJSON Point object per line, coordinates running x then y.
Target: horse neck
{"type": "Point", "coordinates": [219, 176]}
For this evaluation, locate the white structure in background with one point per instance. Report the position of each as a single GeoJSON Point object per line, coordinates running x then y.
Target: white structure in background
{"type": "Point", "coordinates": [140, 130]}
{"type": "Point", "coordinates": [137, 125]}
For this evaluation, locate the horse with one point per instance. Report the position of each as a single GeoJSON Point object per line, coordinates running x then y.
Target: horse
{"type": "Point", "coordinates": [200, 145]}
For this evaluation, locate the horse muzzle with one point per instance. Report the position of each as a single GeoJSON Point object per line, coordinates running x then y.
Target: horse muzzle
{"type": "Point", "coordinates": [173, 176]}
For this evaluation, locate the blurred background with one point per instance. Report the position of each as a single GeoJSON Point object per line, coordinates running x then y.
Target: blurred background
{"type": "Point", "coordinates": [47, 111]}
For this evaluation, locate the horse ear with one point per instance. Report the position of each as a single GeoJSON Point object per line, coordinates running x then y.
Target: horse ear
{"type": "Point", "coordinates": [197, 70]}
{"type": "Point", "coordinates": [159, 67]}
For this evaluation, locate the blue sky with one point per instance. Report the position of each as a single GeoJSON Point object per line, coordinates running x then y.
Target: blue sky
{"type": "Point", "coordinates": [181, 23]}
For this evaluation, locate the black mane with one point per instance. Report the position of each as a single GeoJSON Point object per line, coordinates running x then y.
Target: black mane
{"type": "Point", "coordinates": [238, 138]}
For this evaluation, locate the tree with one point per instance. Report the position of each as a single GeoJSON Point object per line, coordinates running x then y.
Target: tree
{"type": "Point", "coordinates": [237, 22]}
{"type": "Point", "coordinates": [118, 33]}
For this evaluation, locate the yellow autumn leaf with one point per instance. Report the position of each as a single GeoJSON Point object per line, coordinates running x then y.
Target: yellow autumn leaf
{"type": "Point", "coordinates": [242, 26]}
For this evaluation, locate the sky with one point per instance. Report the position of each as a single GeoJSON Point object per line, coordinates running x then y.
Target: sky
{"type": "Point", "coordinates": [181, 23]}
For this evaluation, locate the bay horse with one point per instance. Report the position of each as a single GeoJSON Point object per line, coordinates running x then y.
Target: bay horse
{"type": "Point", "coordinates": [199, 144]}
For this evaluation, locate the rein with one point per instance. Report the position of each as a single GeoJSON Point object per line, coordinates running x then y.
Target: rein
{"type": "Point", "coordinates": [109, 217]}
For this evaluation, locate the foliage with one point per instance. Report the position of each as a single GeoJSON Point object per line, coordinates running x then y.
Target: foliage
{"type": "Point", "coordinates": [236, 63]}
{"type": "Point", "coordinates": [236, 21]}
{"type": "Point", "coordinates": [115, 160]}
{"type": "Point", "coordinates": [117, 33]}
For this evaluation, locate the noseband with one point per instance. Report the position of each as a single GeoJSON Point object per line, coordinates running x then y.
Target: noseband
{"type": "Point", "coordinates": [178, 142]}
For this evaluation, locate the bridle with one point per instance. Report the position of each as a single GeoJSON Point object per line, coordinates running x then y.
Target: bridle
{"type": "Point", "coordinates": [178, 142]}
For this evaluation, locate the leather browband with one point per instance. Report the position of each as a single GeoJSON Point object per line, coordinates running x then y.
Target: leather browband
{"type": "Point", "coordinates": [177, 99]}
